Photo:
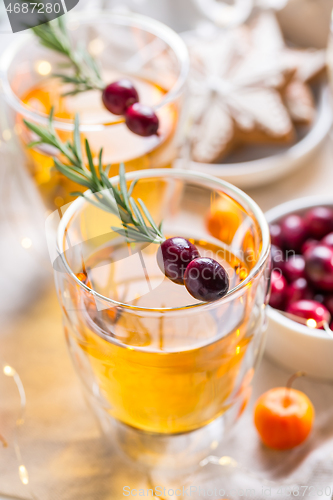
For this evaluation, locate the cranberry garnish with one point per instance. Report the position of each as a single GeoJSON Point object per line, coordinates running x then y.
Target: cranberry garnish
{"type": "Point", "coordinates": [206, 280]}
{"type": "Point", "coordinates": [278, 290]}
{"type": "Point", "coordinates": [294, 267]}
{"type": "Point", "coordinates": [298, 290]}
{"type": "Point", "coordinates": [308, 244]}
{"type": "Point", "coordinates": [276, 234]}
{"type": "Point", "coordinates": [173, 257]}
{"type": "Point", "coordinates": [294, 232]}
{"type": "Point", "coordinates": [319, 221]}
{"type": "Point", "coordinates": [314, 313]}
{"type": "Point", "coordinates": [141, 120]}
{"type": "Point", "coordinates": [319, 266]}
{"type": "Point", "coordinates": [118, 96]}
{"type": "Point", "coordinates": [328, 240]}
{"type": "Point", "coordinates": [278, 257]}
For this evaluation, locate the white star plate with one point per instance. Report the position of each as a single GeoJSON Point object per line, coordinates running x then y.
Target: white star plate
{"type": "Point", "coordinates": [254, 166]}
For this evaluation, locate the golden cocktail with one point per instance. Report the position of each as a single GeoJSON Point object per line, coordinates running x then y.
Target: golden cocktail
{"type": "Point", "coordinates": [151, 356]}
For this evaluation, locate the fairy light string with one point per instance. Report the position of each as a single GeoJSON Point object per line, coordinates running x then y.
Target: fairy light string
{"type": "Point", "coordinates": [10, 372]}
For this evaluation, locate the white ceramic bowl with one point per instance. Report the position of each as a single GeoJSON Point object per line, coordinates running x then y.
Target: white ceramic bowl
{"type": "Point", "coordinates": [290, 344]}
{"type": "Point", "coordinates": [254, 173]}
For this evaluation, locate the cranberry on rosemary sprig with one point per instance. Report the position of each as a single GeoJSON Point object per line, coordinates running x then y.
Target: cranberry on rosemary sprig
{"type": "Point", "coordinates": [204, 278]}
{"type": "Point", "coordinates": [120, 97]}
{"type": "Point", "coordinates": [179, 259]}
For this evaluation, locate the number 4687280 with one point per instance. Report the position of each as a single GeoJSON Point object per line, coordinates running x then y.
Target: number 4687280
{"type": "Point", "coordinates": [39, 8]}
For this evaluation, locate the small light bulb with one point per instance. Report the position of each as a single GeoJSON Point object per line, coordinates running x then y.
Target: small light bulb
{"type": "Point", "coordinates": [96, 46]}
{"type": "Point", "coordinates": [227, 461]}
{"type": "Point", "coordinates": [238, 349]}
{"type": "Point", "coordinates": [9, 371]}
{"type": "Point", "coordinates": [44, 68]}
{"type": "Point", "coordinates": [214, 445]}
{"type": "Point", "coordinates": [7, 135]}
{"type": "Point", "coordinates": [23, 474]}
{"type": "Point", "coordinates": [26, 242]}
{"type": "Point", "coordinates": [311, 323]}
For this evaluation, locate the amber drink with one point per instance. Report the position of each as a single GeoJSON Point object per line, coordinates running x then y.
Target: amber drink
{"type": "Point", "coordinates": [142, 50]}
{"type": "Point", "coordinates": [154, 361]}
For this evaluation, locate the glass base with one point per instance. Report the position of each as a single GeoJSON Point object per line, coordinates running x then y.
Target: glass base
{"type": "Point", "coordinates": [160, 451]}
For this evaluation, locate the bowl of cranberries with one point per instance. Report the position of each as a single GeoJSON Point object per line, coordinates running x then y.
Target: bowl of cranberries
{"type": "Point", "coordinates": [300, 315]}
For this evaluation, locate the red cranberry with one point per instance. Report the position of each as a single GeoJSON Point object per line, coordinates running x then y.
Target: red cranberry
{"type": "Point", "coordinates": [319, 221]}
{"type": "Point", "coordinates": [298, 290]}
{"type": "Point", "coordinates": [328, 303]}
{"type": "Point", "coordinates": [118, 96]}
{"type": "Point", "coordinates": [206, 280]}
{"type": "Point", "coordinates": [276, 234]}
{"type": "Point", "coordinates": [278, 257]}
{"type": "Point", "coordinates": [278, 290]}
{"type": "Point", "coordinates": [173, 257]}
{"type": "Point", "coordinates": [328, 240]}
{"type": "Point", "coordinates": [308, 244]}
{"type": "Point", "coordinates": [141, 120]}
{"type": "Point", "coordinates": [309, 310]}
{"type": "Point", "coordinates": [294, 232]}
{"type": "Point", "coordinates": [319, 266]}
{"type": "Point", "coordinates": [294, 267]}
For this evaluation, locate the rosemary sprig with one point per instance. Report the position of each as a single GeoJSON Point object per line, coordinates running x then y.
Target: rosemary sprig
{"type": "Point", "coordinates": [86, 74]}
{"type": "Point", "coordinates": [136, 221]}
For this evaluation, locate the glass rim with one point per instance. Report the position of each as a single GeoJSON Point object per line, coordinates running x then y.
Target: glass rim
{"type": "Point", "coordinates": [188, 175]}
{"type": "Point", "coordinates": [150, 25]}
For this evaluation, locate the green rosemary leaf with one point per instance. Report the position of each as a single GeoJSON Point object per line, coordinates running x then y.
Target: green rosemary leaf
{"type": "Point", "coordinates": [91, 63]}
{"type": "Point", "coordinates": [86, 75]}
{"type": "Point", "coordinates": [132, 186]}
{"type": "Point", "coordinates": [118, 197]}
{"type": "Point", "coordinates": [91, 163]}
{"type": "Point", "coordinates": [129, 234]}
{"type": "Point", "coordinates": [33, 144]}
{"type": "Point", "coordinates": [149, 217]}
{"type": "Point", "coordinates": [71, 175]}
{"type": "Point", "coordinates": [107, 169]}
{"type": "Point", "coordinates": [65, 65]}
{"type": "Point", "coordinates": [139, 216]}
{"type": "Point", "coordinates": [103, 194]}
{"type": "Point", "coordinates": [97, 204]}
{"type": "Point", "coordinates": [44, 134]}
{"type": "Point", "coordinates": [106, 181]}
{"type": "Point", "coordinates": [62, 26]}
{"type": "Point", "coordinates": [77, 170]}
{"type": "Point", "coordinates": [100, 162]}
{"type": "Point", "coordinates": [73, 92]}
{"type": "Point", "coordinates": [77, 193]}
{"type": "Point", "coordinates": [123, 186]}
{"type": "Point", "coordinates": [51, 116]}
{"type": "Point", "coordinates": [67, 78]}
{"type": "Point", "coordinates": [77, 138]}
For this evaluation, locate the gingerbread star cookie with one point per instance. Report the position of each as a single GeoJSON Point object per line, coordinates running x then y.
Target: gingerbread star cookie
{"type": "Point", "coordinates": [247, 87]}
{"type": "Point", "coordinates": [309, 65]}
